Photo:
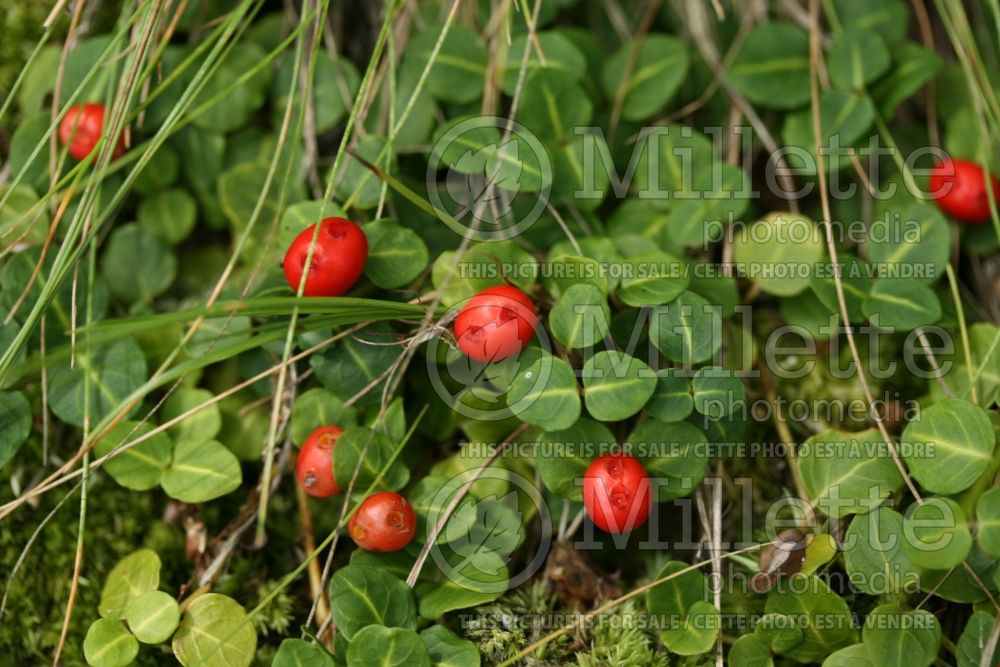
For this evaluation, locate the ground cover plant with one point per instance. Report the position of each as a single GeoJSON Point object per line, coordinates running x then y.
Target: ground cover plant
{"type": "Point", "coordinates": [500, 332]}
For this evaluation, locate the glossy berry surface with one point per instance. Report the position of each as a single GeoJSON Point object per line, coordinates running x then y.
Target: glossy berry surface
{"type": "Point", "coordinates": [496, 323]}
{"type": "Point", "coordinates": [616, 493]}
{"type": "Point", "coordinates": [81, 129]}
{"type": "Point", "coordinates": [337, 261]}
{"type": "Point", "coordinates": [384, 522]}
{"type": "Point", "coordinates": [959, 189]}
{"type": "Point", "coordinates": [314, 468]}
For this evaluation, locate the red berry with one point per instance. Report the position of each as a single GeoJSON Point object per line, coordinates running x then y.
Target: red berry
{"type": "Point", "coordinates": [959, 188]}
{"type": "Point", "coordinates": [337, 261]}
{"type": "Point", "coordinates": [81, 129]}
{"type": "Point", "coordinates": [384, 522]}
{"type": "Point", "coordinates": [616, 493]}
{"type": "Point", "coordinates": [314, 469]}
{"type": "Point", "coordinates": [496, 323]}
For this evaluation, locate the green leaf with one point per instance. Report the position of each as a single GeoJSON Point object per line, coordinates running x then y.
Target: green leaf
{"type": "Point", "coordinates": [153, 616]}
{"type": "Point", "coordinates": [15, 424]}
{"type": "Point", "coordinates": [202, 154]}
{"type": "Point", "coordinates": [689, 622]}
{"type": "Point", "coordinates": [668, 153]}
{"type": "Point", "coordinates": [948, 445]}
{"type": "Point", "coordinates": [913, 66]}
{"type": "Point", "coordinates": [479, 269]}
{"type": "Point", "coordinates": [672, 400]}
{"type": "Point", "coordinates": [857, 58]}
{"type": "Point", "coordinates": [300, 653]}
{"type": "Point", "coordinates": [356, 182]}
{"type": "Point", "coordinates": [303, 214]}
{"type": "Point", "coordinates": [973, 640]}
{"type": "Point", "coordinates": [873, 554]}
{"type": "Point", "coordinates": [564, 271]}
{"type": "Point", "coordinates": [888, 18]}
{"type": "Point", "coordinates": [847, 473]}
{"type": "Point", "coordinates": [318, 407]}
{"type": "Point", "coordinates": [652, 279]}
{"type": "Point", "coordinates": [748, 651]}
{"type": "Point", "coordinates": [141, 466]}
{"type": "Point", "coordinates": [29, 133]}
{"type": "Point", "coordinates": [17, 219]}
{"type": "Point", "coordinates": [158, 174]}
{"type": "Point", "coordinates": [658, 70]}
{"type": "Point", "coordinates": [988, 522]}
{"type": "Point", "coordinates": [215, 630]}
{"type": "Point", "coordinates": [616, 385]}
{"type": "Point", "coordinates": [845, 117]}
{"type": "Point", "coordinates": [718, 392]}
{"type": "Point", "coordinates": [468, 581]}
{"type": "Point", "coordinates": [447, 649]}
{"type": "Point", "coordinates": [772, 68]}
{"type": "Point", "coordinates": [356, 362]}
{"type": "Point", "coordinates": [234, 108]}
{"type": "Point", "coordinates": [351, 444]}
{"type": "Point", "coordinates": [201, 472]}
{"type": "Point", "coordinates": [378, 646]}
{"type": "Point", "coordinates": [109, 644]}
{"type": "Point", "coordinates": [778, 252]}
{"type": "Point", "coordinates": [170, 215]}
{"type": "Point", "coordinates": [937, 534]}
{"type": "Point", "coordinates": [396, 255]}
{"type": "Point", "coordinates": [553, 106]}
{"type": "Point", "coordinates": [562, 457]}
{"type": "Point", "coordinates": [334, 86]}
{"type": "Point", "coordinates": [361, 595]}
{"type": "Point", "coordinates": [852, 656]}
{"type": "Point", "coordinates": [545, 394]}
{"type": "Point", "coordinates": [562, 59]}
{"type": "Point", "coordinates": [823, 616]}
{"type": "Point", "coordinates": [687, 330]}
{"type": "Point", "coordinates": [903, 305]}
{"type": "Point", "coordinates": [897, 638]}
{"type": "Point", "coordinates": [238, 190]}
{"type": "Point", "coordinates": [216, 332]}
{"type": "Point", "coordinates": [114, 370]}
{"type": "Point", "coordinates": [200, 427]}
{"type": "Point", "coordinates": [854, 280]}
{"type": "Point", "coordinates": [580, 317]}
{"type": "Point", "coordinates": [137, 264]}
{"type": "Point", "coordinates": [497, 530]}
{"type": "Point", "coordinates": [132, 576]}
{"type": "Point", "coordinates": [430, 497]}
{"type": "Point", "coordinates": [676, 454]}
{"type": "Point", "coordinates": [460, 67]}
{"type": "Point", "coordinates": [914, 243]}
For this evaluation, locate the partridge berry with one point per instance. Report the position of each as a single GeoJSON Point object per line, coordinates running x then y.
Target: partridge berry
{"type": "Point", "coordinates": [384, 522]}
{"type": "Point", "coordinates": [616, 493]}
{"type": "Point", "coordinates": [496, 323]}
{"type": "Point", "coordinates": [81, 128]}
{"type": "Point", "coordinates": [338, 258]}
{"type": "Point", "coordinates": [959, 188]}
{"type": "Point", "coordinates": [314, 469]}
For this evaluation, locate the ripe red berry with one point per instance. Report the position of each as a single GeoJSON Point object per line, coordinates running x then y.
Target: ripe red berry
{"type": "Point", "coordinates": [496, 323]}
{"type": "Point", "coordinates": [384, 522]}
{"type": "Point", "coordinates": [959, 188]}
{"type": "Point", "coordinates": [81, 129]}
{"type": "Point", "coordinates": [337, 261]}
{"type": "Point", "coordinates": [616, 493]}
{"type": "Point", "coordinates": [314, 469]}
